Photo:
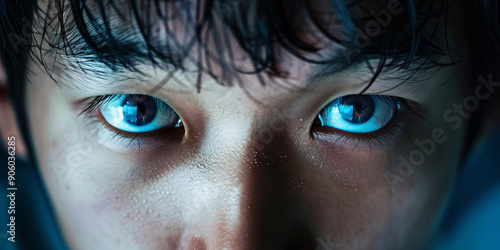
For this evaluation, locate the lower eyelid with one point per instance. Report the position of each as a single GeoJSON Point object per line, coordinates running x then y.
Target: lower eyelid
{"type": "Point", "coordinates": [386, 137]}
{"type": "Point", "coordinates": [109, 137]}
{"type": "Point", "coordinates": [122, 141]}
{"type": "Point", "coordinates": [385, 140]}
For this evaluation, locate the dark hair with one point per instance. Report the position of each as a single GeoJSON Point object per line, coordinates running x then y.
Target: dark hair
{"type": "Point", "coordinates": [259, 26]}
{"type": "Point", "coordinates": [86, 29]}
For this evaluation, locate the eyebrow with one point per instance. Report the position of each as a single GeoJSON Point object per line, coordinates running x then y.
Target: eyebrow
{"type": "Point", "coordinates": [127, 52]}
{"type": "Point", "coordinates": [96, 65]}
{"type": "Point", "coordinates": [337, 63]}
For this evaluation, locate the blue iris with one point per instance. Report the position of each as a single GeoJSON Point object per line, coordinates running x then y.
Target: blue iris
{"type": "Point", "coordinates": [138, 113]}
{"type": "Point", "coordinates": [358, 113]}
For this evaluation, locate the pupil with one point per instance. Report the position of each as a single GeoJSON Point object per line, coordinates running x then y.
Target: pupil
{"type": "Point", "coordinates": [357, 109]}
{"type": "Point", "coordinates": [139, 110]}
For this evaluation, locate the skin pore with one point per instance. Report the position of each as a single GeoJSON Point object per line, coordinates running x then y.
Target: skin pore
{"type": "Point", "coordinates": [250, 168]}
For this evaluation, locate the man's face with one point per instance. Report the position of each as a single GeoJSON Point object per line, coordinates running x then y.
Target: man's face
{"type": "Point", "coordinates": [285, 165]}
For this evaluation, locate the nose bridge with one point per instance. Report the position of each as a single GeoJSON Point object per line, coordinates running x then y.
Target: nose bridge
{"type": "Point", "coordinates": [261, 166]}
{"type": "Point", "coordinates": [275, 209]}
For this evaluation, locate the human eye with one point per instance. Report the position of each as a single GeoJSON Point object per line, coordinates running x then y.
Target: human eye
{"type": "Point", "coordinates": [359, 113]}
{"type": "Point", "coordinates": [134, 113]}
{"type": "Point", "coordinates": [376, 120]}
{"type": "Point", "coordinates": [130, 122]}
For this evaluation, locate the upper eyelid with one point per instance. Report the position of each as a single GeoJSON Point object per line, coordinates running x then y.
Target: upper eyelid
{"type": "Point", "coordinates": [98, 101]}
{"type": "Point", "coordinates": [389, 98]}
